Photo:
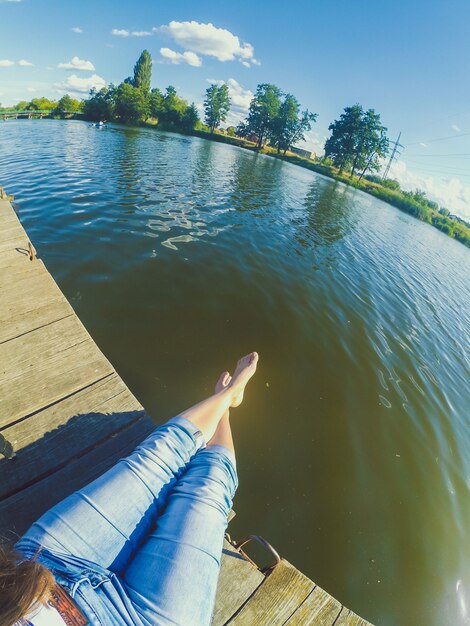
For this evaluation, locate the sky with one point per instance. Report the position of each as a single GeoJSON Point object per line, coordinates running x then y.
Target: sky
{"type": "Point", "coordinates": [408, 59]}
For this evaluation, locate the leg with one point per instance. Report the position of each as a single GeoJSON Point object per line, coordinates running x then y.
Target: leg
{"type": "Point", "coordinates": [223, 433]}
{"type": "Point", "coordinates": [187, 543]}
{"type": "Point", "coordinates": [173, 576]}
{"type": "Point", "coordinates": [105, 522]}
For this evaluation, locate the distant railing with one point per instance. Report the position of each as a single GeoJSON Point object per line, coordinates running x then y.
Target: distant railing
{"type": "Point", "coordinates": [34, 112]}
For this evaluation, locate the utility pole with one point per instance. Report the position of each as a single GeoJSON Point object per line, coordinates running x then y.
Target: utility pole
{"type": "Point", "coordinates": [396, 145]}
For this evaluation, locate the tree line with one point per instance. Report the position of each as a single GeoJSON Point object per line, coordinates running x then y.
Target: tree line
{"type": "Point", "coordinates": [60, 108]}
{"type": "Point", "coordinates": [275, 121]}
{"type": "Point", "coordinates": [357, 143]}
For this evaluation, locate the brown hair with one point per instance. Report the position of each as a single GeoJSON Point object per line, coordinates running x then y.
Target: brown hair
{"type": "Point", "coordinates": [23, 585]}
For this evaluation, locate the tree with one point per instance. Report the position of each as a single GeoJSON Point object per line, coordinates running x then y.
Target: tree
{"type": "Point", "coordinates": [216, 105]}
{"type": "Point", "coordinates": [131, 103]}
{"type": "Point", "coordinates": [372, 144]}
{"type": "Point", "coordinates": [101, 104]}
{"type": "Point", "coordinates": [231, 131]}
{"type": "Point", "coordinates": [264, 107]}
{"type": "Point", "coordinates": [143, 72]}
{"type": "Point", "coordinates": [357, 140]}
{"type": "Point", "coordinates": [340, 147]}
{"type": "Point", "coordinates": [67, 105]}
{"type": "Point", "coordinates": [290, 124]}
{"type": "Point", "coordinates": [156, 102]}
{"type": "Point", "coordinates": [173, 107]}
{"type": "Point", "coordinates": [23, 105]}
{"type": "Point", "coordinates": [42, 104]}
{"type": "Point", "coordinates": [190, 117]}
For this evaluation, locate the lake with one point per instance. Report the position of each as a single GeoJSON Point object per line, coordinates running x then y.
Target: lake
{"type": "Point", "coordinates": [353, 443]}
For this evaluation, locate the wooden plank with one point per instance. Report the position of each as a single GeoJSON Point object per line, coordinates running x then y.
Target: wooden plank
{"type": "Point", "coordinates": [44, 442]}
{"type": "Point", "coordinates": [21, 354]}
{"type": "Point", "coordinates": [16, 272]}
{"type": "Point", "coordinates": [26, 291]}
{"type": "Point", "coordinates": [19, 240]}
{"type": "Point", "coordinates": [25, 321]}
{"type": "Point", "coordinates": [279, 595]}
{"type": "Point", "coordinates": [18, 512]}
{"type": "Point", "coordinates": [48, 381]}
{"type": "Point", "coordinates": [14, 255]}
{"type": "Point", "coordinates": [238, 580]}
{"type": "Point", "coordinates": [349, 618]}
{"type": "Point", "coordinates": [8, 214]}
{"type": "Point", "coordinates": [318, 609]}
{"type": "Point", "coordinates": [9, 231]}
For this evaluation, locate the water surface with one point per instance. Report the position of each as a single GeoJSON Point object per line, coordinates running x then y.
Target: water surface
{"type": "Point", "coordinates": [180, 254]}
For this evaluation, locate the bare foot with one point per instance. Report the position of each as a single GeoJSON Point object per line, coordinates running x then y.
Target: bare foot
{"type": "Point", "coordinates": [224, 380]}
{"type": "Point", "coordinates": [245, 369]}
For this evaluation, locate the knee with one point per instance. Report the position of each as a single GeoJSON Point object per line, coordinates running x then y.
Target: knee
{"type": "Point", "coordinates": [219, 462]}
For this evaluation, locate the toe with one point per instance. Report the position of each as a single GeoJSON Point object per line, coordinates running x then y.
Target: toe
{"type": "Point", "coordinates": [222, 378]}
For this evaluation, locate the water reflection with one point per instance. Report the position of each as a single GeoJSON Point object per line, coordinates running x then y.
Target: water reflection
{"type": "Point", "coordinates": [255, 183]}
{"type": "Point", "coordinates": [329, 214]}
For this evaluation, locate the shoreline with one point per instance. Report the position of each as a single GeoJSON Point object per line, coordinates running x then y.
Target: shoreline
{"type": "Point", "coordinates": [450, 225]}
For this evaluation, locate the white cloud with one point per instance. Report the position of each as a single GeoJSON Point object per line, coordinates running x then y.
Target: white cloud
{"type": "Point", "coordinates": [25, 63]}
{"type": "Point", "coordinates": [208, 40]}
{"type": "Point", "coordinates": [77, 29]}
{"type": "Point", "coordinates": [82, 85]}
{"type": "Point", "coordinates": [239, 96]}
{"type": "Point", "coordinates": [449, 192]}
{"type": "Point", "coordinates": [5, 1]}
{"type": "Point", "coordinates": [122, 32]}
{"type": "Point", "coordinates": [77, 64]}
{"type": "Point", "coordinates": [246, 64]}
{"type": "Point", "coordinates": [6, 63]}
{"type": "Point", "coordinates": [456, 128]}
{"type": "Point", "coordinates": [191, 58]}
{"type": "Point", "coordinates": [313, 142]}
{"type": "Point", "coordinates": [31, 89]}
{"type": "Point", "coordinates": [423, 145]}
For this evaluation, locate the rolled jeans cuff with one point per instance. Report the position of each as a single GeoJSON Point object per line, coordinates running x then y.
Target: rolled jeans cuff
{"type": "Point", "coordinates": [191, 429]}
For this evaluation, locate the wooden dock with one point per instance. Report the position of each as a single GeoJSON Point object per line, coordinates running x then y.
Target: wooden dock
{"type": "Point", "coordinates": [66, 416]}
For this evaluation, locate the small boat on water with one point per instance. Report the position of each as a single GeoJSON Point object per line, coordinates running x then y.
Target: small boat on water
{"type": "Point", "coordinates": [99, 125]}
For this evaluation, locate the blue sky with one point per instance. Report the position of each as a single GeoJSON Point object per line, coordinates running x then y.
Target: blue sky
{"type": "Point", "coordinates": [409, 60]}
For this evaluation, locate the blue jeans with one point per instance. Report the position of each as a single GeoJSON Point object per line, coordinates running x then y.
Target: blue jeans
{"type": "Point", "coordinates": [141, 545]}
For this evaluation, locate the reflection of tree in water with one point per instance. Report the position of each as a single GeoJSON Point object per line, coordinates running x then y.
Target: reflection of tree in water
{"type": "Point", "coordinates": [255, 182]}
{"type": "Point", "coordinates": [202, 161]}
{"type": "Point", "coordinates": [127, 161]}
{"type": "Point", "coordinates": [327, 217]}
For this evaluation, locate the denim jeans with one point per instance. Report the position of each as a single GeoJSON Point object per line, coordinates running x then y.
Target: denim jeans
{"type": "Point", "coordinates": [141, 545]}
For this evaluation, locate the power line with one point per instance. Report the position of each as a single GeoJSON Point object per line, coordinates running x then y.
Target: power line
{"type": "Point", "coordinates": [396, 145]}
{"type": "Point", "coordinates": [415, 143]}
{"type": "Point", "coordinates": [450, 168]}
{"type": "Point", "coordinates": [456, 155]}
{"type": "Point", "coordinates": [433, 171]}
